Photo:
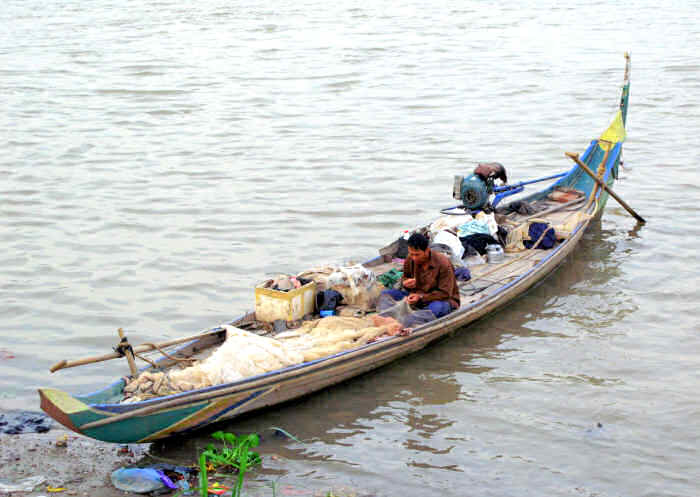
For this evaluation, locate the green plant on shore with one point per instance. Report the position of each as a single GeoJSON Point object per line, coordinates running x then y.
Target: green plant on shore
{"type": "Point", "coordinates": [235, 453]}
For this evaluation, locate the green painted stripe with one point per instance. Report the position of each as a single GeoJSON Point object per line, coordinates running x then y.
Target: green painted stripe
{"type": "Point", "coordinates": [134, 429]}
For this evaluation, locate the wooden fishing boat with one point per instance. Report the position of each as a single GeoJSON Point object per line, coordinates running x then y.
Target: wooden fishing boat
{"type": "Point", "coordinates": [574, 195]}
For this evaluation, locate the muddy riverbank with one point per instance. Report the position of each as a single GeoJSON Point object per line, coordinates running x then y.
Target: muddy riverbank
{"type": "Point", "coordinates": [65, 460]}
{"type": "Point", "coordinates": [82, 467]}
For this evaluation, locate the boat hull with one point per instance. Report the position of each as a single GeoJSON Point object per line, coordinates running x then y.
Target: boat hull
{"type": "Point", "coordinates": [185, 413]}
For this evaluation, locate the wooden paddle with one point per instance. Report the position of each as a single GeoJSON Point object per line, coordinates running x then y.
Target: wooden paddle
{"type": "Point", "coordinates": [115, 355]}
{"type": "Point", "coordinates": [605, 187]}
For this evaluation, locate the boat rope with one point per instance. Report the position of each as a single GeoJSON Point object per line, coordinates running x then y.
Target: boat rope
{"type": "Point", "coordinates": [123, 347]}
{"type": "Point", "coordinates": [146, 359]}
{"type": "Point", "coordinates": [171, 357]}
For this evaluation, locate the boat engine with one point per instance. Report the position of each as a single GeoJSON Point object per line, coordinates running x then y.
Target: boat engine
{"type": "Point", "coordinates": [475, 190]}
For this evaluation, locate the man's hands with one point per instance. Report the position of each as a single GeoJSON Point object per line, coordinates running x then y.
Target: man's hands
{"type": "Point", "coordinates": [414, 298]}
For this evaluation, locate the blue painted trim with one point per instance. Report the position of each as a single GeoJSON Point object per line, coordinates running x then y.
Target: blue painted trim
{"type": "Point", "coordinates": [85, 397]}
{"type": "Point", "coordinates": [566, 180]}
{"type": "Point", "coordinates": [505, 194]}
{"type": "Point", "coordinates": [505, 188]}
{"type": "Point", "coordinates": [219, 414]}
{"type": "Point", "coordinates": [585, 155]}
{"type": "Point", "coordinates": [376, 259]}
{"type": "Point", "coordinates": [609, 165]}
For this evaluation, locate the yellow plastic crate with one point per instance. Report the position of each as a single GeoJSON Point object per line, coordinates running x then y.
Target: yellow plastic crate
{"type": "Point", "coordinates": [271, 305]}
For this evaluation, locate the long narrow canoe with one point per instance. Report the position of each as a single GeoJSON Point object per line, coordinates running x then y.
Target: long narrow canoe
{"type": "Point", "coordinates": [100, 415]}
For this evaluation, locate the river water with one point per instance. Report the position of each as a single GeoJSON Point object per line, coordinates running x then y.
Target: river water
{"type": "Point", "coordinates": [160, 158]}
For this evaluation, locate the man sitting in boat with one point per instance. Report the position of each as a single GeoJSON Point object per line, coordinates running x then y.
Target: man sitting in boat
{"type": "Point", "coordinates": [429, 278]}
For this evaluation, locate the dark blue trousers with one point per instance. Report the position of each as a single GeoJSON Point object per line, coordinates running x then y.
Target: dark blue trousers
{"type": "Point", "coordinates": [439, 307]}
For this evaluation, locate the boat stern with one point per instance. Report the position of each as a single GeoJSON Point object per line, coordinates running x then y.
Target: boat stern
{"type": "Point", "coordinates": [61, 407]}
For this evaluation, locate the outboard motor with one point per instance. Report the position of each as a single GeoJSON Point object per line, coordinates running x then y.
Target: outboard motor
{"type": "Point", "coordinates": [475, 190]}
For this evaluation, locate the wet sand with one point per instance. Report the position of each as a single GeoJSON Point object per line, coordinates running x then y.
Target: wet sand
{"type": "Point", "coordinates": [80, 465]}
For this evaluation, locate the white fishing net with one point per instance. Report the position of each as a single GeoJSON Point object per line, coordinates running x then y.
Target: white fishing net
{"type": "Point", "coordinates": [246, 354]}
{"type": "Point", "coordinates": [402, 312]}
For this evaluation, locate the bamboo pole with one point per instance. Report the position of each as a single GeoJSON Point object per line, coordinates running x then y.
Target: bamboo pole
{"type": "Point", "coordinates": [114, 355]}
{"type": "Point", "coordinates": [602, 184]}
{"type": "Point", "coordinates": [128, 352]}
{"type": "Point", "coordinates": [601, 171]}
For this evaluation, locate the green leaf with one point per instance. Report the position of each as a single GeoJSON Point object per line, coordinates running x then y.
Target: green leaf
{"type": "Point", "coordinates": [254, 440]}
{"type": "Point", "coordinates": [238, 456]}
{"type": "Point", "coordinates": [203, 483]}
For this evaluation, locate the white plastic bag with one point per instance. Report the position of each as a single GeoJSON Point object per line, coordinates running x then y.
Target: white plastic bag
{"type": "Point", "coordinates": [447, 238]}
{"type": "Point", "coordinates": [24, 485]}
{"type": "Point", "coordinates": [449, 222]}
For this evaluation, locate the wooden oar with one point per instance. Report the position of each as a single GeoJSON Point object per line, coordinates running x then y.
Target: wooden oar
{"type": "Point", "coordinates": [115, 355]}
{"type": "Point", "coordinates": [605, 187]}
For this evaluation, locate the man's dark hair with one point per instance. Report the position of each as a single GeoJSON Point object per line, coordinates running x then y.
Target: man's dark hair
{"type": "Point", "coordinates": [418, 241]}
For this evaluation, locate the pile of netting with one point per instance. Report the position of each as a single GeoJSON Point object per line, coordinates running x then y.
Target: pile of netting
{"type": "Point", "coordinates": [246, 354]}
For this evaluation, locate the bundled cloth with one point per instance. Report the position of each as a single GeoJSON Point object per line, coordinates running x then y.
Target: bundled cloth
{"type": "Point", "coordinates": [542, 236]}
{"type": "Point", "coordinates": [518, 236]}
{"type": "Point", "coordinates": [463, 274]}
{"type": "Point", "coordinates": [566, 227]}
{"type": "Point", "coordinates": [284, 283]}
{"type": "Point", "coordinates": [482, 224]}
{"type": "Point", "coordinates": [328, 300]}
{"type": "Point", "coordinates": [449, 222]}
{"type": "Point", "coordinates": [472, 228]}
{"type": "Point", "coordinates": [477, 242]}
{"type": "Point", "coordinates": [527, 234]}
{"type": "Point", "coordinates": [390, 278]}
{"type": "Point", "coordinates": [520, 206]}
